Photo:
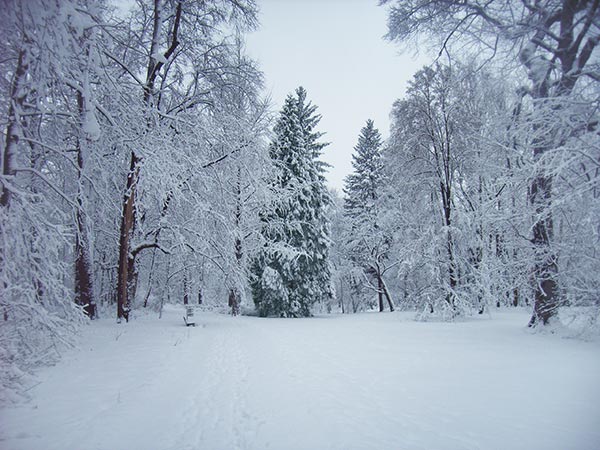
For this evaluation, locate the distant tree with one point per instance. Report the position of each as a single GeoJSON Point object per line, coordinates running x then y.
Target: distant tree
{"type": "Point", "coordinates": [291, 272]}
{"type": "Point", "coordinates": [368, 243]}
{"type": "Point", "coordinates": [459, 214]}
{"type": "Point", "coordinates": [362, 188]}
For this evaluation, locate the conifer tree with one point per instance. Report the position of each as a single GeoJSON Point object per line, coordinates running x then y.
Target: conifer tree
{"type": "Point", "coordinates": [367, 243]}
{"type": "Point", "coordinates": [362, 187]}
{"type": "Point", "coordinates": [292, 270]}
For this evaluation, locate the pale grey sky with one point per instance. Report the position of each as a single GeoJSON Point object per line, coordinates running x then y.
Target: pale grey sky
{"type": "Point", "coordinates": [335, 49]}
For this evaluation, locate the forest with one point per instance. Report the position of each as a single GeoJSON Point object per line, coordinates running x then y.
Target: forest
{"type": "Point", "coordinates": [143, 166]}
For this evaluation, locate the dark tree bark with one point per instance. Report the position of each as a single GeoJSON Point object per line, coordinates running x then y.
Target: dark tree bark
{"type": "Point", "coordinates": [447, 205]}
{"type": "Point", "coordinates": [379, 291]}
{"type": "Point", "coordinates": [546, 299]}
{"type": "Point", "coordinates": [386, 292]}
{"type": "Point", "coordinates": [234, 301]}
{"type": "Point", "coordinates": [126, 260]}
{"type": "Point", "coordinates": [382, 290]}
{"type": "Point", "coordinates": [186, 288]}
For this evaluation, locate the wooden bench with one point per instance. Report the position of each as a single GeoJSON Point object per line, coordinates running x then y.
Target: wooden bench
{"type": "Point", "coordinates": [189, 316]}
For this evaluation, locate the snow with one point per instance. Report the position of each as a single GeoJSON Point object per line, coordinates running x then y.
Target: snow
{"type": "Point", "coordinates": [376, 381]}
{"type": "Point", "coordinates": [159, 58]}
{"type": "Point", "coordinates": [91, 126]}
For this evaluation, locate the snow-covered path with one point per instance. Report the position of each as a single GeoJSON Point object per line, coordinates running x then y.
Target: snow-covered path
{"type": "Point", "coordinates": [371, 381]}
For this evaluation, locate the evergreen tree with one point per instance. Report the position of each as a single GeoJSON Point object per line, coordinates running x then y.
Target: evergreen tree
{"type": "Point", "coordinates": [367, 242]}
{"type": "Point", "coordinates": [362, 187]}
{"type": "Point", "coordinates": [292, 271]}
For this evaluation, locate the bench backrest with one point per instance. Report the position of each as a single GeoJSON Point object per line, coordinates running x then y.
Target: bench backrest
{"type": "Point", "coordinates": [189, 311]}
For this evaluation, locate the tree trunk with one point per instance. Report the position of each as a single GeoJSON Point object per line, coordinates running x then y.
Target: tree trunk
{"type": "Point", "coordinates": [452, 276]}
{"type": "Point", "coordinates": [546, 300]}
{"type": "Point", "coordinates": [84, 292]}
{"type": "Point", "coordinates": [185, 288]}
{"type": "Point", "coordinates": [234, 301]}
{"type": "Point", "coordinates": [234, 294]}
{"type": "Point", "coordinates": [34, 163]}
{"type": "Point", "coordinates": [14, 129]}
{"type": "Point", "coordinates": [341, 298]}
{"type": "Point", "coordinates": [387, 294]}
{"type": "Point", "coordinates": [125, 288]}
{"type": "Point", "coordinates": [379, 291]}
{"type": "Point", "coordinates": [545, 270]}
{"type": "Point", "coordinates": [167, 289]}
{"type": "Point", "coordinates": [354, 294]}
{"type": "Point", "coordinates": [83, 277]}
{"type": "Point", "coordinates": [150, 277]}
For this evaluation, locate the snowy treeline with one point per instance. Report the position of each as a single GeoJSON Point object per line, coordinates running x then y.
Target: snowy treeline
{"type": "Point", "coordinates": [488, 191]}
{"type": "Point", "coordinates": [139, 167]}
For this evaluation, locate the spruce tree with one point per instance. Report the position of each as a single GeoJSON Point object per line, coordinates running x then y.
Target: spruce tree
{"type": "Point", "coordinates": [362, 188]}
{"type": "Point", "coordinates": [292, 271]}
{"type": "Point", "coordinates": [368, 243]}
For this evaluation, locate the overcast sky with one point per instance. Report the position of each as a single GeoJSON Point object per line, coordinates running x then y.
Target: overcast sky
{"type": "Point", "coordinates": [335, 49]}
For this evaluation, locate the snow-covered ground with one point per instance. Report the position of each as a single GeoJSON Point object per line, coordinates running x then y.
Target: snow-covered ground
{"type": "Point", "coordinates": [369, 381]}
